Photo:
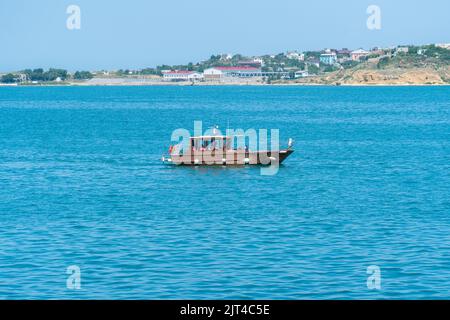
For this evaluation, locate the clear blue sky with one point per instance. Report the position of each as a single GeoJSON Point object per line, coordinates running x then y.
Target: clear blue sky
{"type": "Point", "coordinates": [140, 33]}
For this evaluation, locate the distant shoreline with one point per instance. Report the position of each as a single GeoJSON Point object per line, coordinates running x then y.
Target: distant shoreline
{"type": "Point", "coordinates": [226, 85]}
{"type": "Point", "coordinates": [423, 65]}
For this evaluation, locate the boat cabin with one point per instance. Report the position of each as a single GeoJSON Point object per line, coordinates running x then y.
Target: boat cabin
{"type": "Point", "coordinates": [212, 143]}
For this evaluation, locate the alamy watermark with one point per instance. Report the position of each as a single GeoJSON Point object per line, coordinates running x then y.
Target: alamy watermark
{"type": "Point", "coordinates": [374, 278]}
{"type": "Point", "coordinates": [73, 21]}
{"type": "Point", "coordinates": [374, 19]}
{"type": "Point", "coordinates": [73, 281]}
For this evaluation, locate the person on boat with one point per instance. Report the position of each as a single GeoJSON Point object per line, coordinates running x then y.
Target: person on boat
{"type": "Point", "coordinates": [213, 145]}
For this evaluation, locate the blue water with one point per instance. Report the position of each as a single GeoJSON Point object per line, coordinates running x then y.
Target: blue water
{"type": "Point", "coordinates": [81, 183]}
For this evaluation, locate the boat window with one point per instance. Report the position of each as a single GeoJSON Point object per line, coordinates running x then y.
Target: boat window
{"type": "Point", "coordinates": [209, 144]}
{"type": "Point", "coordinates": [205, 144]}
{"type": "Point", "coordinates": [229, 143]}
{"type": "Point", "coordinates": [236, 143]}
{"type": "Point", "coordinates": [195, 144]}
{"type": "Point", "coordinates": [216, 144]}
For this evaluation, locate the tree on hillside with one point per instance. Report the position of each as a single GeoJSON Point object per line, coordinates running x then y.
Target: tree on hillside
{"type": "Point", "coordinates": [53, 74]}
{"type": "Point", "coordinates": [8, 78]}
{"type": "Point", "coordinates": [82, 75]}
{"type": "Point", "coordinates": [312, 54]}
{"type": "Point", "coordinates": [313, 69]}
{"type": "Point", "coordinates": [349, 64]}
{"type": "Point", "coordinates": [215, 58]}
{"type": "Point", "coordinates": [237, 57]}
{"type": "Point", "coordinates": [50, 75]}
{"type": "Point", "coordinates": [35, 75]}
{"type": "Point", "coordinates": [147, 71]}
{"type": "Point", "coordinates": [437, 52]}
{"type": "Point", "coordinates": [383, 62]}
{"type": "Point", "coordinates": [330, 69]}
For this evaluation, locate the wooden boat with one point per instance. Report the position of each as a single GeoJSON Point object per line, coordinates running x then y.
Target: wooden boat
{"type": "Point", "coordinates": [218, 150]}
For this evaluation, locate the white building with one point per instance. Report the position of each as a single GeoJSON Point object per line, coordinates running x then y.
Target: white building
{"type": "Point", "coordinates": [181, 75]}
{"type": "Point", "coordinates": [358, 54]}
{"type": "Point", "coordinates": [259, 60]}
{"type": "Point", "coordinates": [402, 49]}
{"type": "Point", "coordinates": [217, 73]}
{"type": "Point", "coordinates": [22, 77]}
{"type": "Point", "coordinates": [301, 74]}
{"type": "Point", "coordinates": [328, 58]}
{"type": "Point", "coordinates": [295, 56]}
{"type": "Point", "coordinates": [443, 45]}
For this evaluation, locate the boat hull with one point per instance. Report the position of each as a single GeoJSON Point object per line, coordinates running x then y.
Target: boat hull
{"type": "Point", "coordinates": [230, 158]}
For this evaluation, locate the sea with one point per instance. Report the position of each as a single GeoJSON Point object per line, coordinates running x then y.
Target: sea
{"type": "Point", "coordinates": [360, 210]}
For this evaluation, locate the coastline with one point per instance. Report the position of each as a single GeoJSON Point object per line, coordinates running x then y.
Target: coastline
{"type": "Point", "coordinates": [225, 84]}
{"type": "Point", "coordinates": [234, 85]}
{"type": "Point", "coordinates": [426, 65]}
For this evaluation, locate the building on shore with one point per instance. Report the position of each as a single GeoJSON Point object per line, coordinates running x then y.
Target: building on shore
{"type": "Point", "coordinates": [223, 72]}
{"type": "Point", "coordinates": [301, 74]}
{"type": "Point", "coordinates": [294, 55]}
{"type": "Point", "coordinates": [259, 60]}
{"type": "Point", "coordinates": [343, 55]}
{"type": "Point", "coordinates": [377, 51]}
{"type": "Point", "coordinates": [22, 77]}
{"type": "Point", "coordinates": [358, 54]}
{"type": "Point", "coordinates": [443, 45]}
{"type": "Point", "coordinates": [181, 75]}
{"type": "Point", "coordinates": [344, 52]}
{"type": "Point", "coordinates": [402, 50]}
{"type": "Point", "coordinates": [329, 58]}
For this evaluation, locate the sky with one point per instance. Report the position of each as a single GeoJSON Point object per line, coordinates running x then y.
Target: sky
{"type": "Point", "coordinates": [134, 34]}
